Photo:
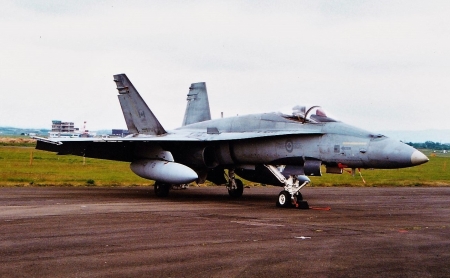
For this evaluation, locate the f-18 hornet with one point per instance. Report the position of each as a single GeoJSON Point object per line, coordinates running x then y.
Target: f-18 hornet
{"type": "Point", "coordinates": [269, 148]}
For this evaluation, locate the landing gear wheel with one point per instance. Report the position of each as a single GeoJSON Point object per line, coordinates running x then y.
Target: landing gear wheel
{"type": "Point", "coordinates": [284, 200]}
{"type": "Point", "coordinates": [237, 192]}
{"type": "Point", "coordinates": [161, 189]}
{"type": "Point", "coordinates": [299, 197]}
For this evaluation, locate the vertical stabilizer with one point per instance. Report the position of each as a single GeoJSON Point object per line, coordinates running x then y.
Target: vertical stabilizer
{"type": "Point", "coordinates": [138, 116]}
{"type": "Point", "coordinates": [197, 109]}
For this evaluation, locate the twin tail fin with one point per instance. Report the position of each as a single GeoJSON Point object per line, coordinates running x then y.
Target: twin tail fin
{"type": "Point", "coordinates": [197, 109]}
{"type": "Point", "coordinates": [138, 117]}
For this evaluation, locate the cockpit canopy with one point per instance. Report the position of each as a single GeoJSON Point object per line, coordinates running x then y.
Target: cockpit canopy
{"type": "Point", "coordinates": [311, 114]}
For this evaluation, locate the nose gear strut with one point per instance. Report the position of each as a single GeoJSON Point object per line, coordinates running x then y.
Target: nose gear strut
{"type": "Point", "coordinates": [290, 196]}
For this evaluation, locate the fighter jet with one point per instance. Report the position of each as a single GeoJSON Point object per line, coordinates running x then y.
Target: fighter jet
{"type": "Point", "coordinates": [270, 148]}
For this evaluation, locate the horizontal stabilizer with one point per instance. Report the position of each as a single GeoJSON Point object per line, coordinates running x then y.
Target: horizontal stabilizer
{"type": "Point", "coordinates": [41, 139]}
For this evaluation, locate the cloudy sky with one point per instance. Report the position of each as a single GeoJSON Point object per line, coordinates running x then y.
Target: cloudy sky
{"type": "Point", "coordinates": [379, 65]}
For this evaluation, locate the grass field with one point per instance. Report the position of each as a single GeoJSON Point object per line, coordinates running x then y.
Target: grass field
{"type": "Point", "coordinates": [49, 169]}
{"type": "Point", "coordinates": [23, 141]}
{"type": "Point", "coordinates": [436, 172]}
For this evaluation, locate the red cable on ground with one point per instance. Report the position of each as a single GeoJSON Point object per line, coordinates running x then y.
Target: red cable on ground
{"type": "Point", "coordinates": [319, 208]}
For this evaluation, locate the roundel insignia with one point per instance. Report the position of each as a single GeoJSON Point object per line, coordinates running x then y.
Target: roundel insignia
{"type": "Point", "coordinates": [289, 146]}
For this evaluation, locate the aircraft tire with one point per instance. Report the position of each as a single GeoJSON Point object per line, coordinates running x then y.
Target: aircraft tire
{"type": "Point", "coordinates": [284, 199]}
{"type": "Point", "coordinates": [161, 189]}
{"type": "Point", "coordinates": [299, 197]}
{"type": "Point", "coordinates": [236, 193]}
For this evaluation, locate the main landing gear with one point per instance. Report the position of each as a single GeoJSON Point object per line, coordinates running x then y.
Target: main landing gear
{"type": "Point", "coordinates": [290, 196]}
{"type": "Point", "coordinates": [235, 186]}
{"type": "Point", "coordinates": [161, 189]}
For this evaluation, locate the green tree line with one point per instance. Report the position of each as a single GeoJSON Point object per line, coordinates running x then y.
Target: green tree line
{"type": "Point", "coordinates": [430, 145]}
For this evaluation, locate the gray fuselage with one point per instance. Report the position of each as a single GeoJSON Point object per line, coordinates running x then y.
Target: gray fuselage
{"type": "Point", "coordinates": [287, 141]}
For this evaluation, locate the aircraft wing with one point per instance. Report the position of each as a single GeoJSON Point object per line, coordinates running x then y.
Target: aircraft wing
{"type": "Point", "coordinates": [128, 148]}
{"type": "Point", "coordinates": [149, 135]}
{"type": "Point", "coordinates": [189, 136]}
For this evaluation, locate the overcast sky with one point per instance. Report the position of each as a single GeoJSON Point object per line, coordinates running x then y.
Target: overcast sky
{"type": "Point", "coordinates": [378, 65]}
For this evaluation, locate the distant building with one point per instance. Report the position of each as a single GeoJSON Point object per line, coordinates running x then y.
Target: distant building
{"type": "Point", "coordinates": [66, 127]}
{"type": "Point", "coordinates": [120, 132]}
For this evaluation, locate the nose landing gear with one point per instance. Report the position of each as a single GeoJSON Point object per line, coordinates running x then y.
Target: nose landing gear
{"type": "Point", "coordinates": [290, 196]}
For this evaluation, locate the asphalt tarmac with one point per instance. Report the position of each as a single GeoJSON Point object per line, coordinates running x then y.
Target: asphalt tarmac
{"type": "Point", "coordinates": [200, 232]}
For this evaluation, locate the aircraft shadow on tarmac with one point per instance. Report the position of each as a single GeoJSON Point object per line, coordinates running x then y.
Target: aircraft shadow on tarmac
{"type": "Point", "coordinates": [192, 194]}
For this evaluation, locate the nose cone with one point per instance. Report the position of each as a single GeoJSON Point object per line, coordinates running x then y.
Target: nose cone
{"type": "Point", "coordinates": [391, 154]}
{"type": "Point", "coordinates": [418, 158]}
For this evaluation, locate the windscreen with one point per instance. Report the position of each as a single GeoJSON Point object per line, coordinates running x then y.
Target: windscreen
{"type": "Point", "coordinates": [311, 114]}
